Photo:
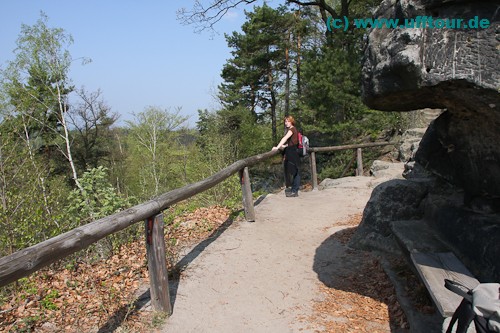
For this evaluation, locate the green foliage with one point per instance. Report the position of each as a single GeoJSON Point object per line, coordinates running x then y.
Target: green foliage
{"type": "Point", "coordinates": [264, 55]}
{"type": "Point", "coordinates": [27, 324]}
{"type": "Point", "coordinates": [231, 135]}
{"type": "Point", "coordinates": [30, 202]}
{"type": "Point", "coordinates": [258, 53]}
{"type": "Point", "coordinates": [154, 147]}
{"type": "Point", "coordinates": [334, 165]}
{"type": "Point", "coordinates": [332, 90]}
{"type": "Point", "coordinates": [93, 141]}
{"type": "Point", "coordinates": [98, 199]}
{"type": "Point", "coordinates": [47, 302]}
{"type": "Point", "coordinates": [36, 82]}
{"type": "Point", "coordinates": [281, 63]}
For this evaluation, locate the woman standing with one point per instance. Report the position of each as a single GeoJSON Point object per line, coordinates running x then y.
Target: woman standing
{"type": "Point", "coordinates": [291, 160]}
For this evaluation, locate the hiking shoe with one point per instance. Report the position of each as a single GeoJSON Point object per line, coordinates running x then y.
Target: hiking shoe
{"type": "Point", "coordinates": [292, 194]}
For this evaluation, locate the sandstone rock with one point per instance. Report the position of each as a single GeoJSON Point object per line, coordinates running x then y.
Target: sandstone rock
{"type": "Point", "coordinates": [384, 169]}
{"type": "Point", "coordinates": [414, 170]}
{"type": "Point", "coordinates": [394, 200]}
{"type": "Point", "coordinates": [407, 69]}
{"type": "Point", "coordinates": [457, 70]}
{"type": "Point", "coordinates": [454, 69]}
{"type": "Point", "coordinates": [474, 234]}
{"type": "Point", "coordinates": [462, 147]}
{"type": "Point", "coordinates": [409, 143]}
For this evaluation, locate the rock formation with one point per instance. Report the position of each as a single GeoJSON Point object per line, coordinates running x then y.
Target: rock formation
{"type": "Point", "coordinates": [455, 185]}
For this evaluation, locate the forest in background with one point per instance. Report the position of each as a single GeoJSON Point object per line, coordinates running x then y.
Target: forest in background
{"type": "Point", "coordinates": [64, 161]}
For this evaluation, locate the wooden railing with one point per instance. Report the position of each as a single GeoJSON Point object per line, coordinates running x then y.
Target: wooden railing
{"type": "Point", "coordinates": [31, 259]}
{"type": "Point", "coordinates": [358, 157]}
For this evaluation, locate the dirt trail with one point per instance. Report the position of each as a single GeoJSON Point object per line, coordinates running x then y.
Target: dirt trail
{"type": "Point", "coordinates": [263, 276]}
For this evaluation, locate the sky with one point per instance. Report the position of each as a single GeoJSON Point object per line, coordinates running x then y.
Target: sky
{"type": "Point", "coordinates": [141, 54]}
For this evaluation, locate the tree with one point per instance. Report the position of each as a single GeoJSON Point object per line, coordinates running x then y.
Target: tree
{"type": "Point", "coordinates": [30, 202]}
{"type": "Point", "coordinates": [230, 134]}
{"type": "Point", "coordinates": [38, 86]}
{"type": "Point", "coordinates": [152, 136]}
{"type": "Point", "coordinates": [225, 136]}
{"type": "Point", "coordinates": [91, 120]}
{"type": "Point", "coordinates": [331, 88]}
{"type": "Point", "coordinates": [254, 76]}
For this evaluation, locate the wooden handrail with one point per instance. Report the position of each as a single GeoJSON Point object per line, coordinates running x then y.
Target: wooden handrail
{"type": "Point", "coordinates": [31, 259]}
{"type": "Point", "coordinates": [353, 146]}
{"type": "Point", "coordinates": [358, 157]}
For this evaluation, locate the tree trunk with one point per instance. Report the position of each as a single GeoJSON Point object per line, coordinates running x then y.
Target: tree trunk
{"type": "Point", "coordinates": [273, 108]}
{"type": "Point", "coordinates": [62, 116]}
{"type": "Point", "coordinates": [299, 45]}
{"type": "Point", "coordinates": [287, 80]}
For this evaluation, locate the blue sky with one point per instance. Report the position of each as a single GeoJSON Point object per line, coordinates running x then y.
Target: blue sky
{"type": "Point", "coordinates": [141, 54]}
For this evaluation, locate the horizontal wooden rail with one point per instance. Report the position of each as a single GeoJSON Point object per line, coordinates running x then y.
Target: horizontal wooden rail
{"type": "Point", "coordinates": [31, 259]}
{"type": "Point", "coordinates": [358, 157]}
{"type": "Point", "coordinates": [353, 146]}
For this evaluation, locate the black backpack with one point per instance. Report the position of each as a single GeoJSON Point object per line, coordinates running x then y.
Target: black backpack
{"type": "Point", "coordinates": [480, 305]}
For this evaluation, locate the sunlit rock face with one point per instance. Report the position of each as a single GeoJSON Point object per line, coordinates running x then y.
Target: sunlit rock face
{"type": "Point", "coordinates": [413, 68]}
{"type": "Point", "coordinates": [456, 69]}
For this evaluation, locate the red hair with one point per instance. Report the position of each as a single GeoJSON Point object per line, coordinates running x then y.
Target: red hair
{"type": "Point", "coordinates": [290, 119]}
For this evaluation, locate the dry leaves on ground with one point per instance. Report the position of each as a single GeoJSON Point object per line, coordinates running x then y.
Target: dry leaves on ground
{"type": "Point", "coordinates": [86, 297]}
{"type": "Point", "coordinates": [101, 296]}
{"type": "Point", "coordinates": [360, 298]}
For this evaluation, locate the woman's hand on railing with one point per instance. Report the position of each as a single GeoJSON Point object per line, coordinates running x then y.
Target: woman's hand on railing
{"type": "Point", "coordinates": [276, 147]}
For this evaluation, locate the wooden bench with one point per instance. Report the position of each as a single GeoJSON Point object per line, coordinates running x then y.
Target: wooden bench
{"type": "Point", "coordinates": [433, 268]}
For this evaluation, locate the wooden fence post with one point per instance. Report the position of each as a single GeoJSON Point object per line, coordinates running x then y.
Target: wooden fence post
{"type": "Point", "coordinates": [247, 195]}
{"type": "Point", "coordinates": [359, 162]}
{"type": "Point", "coordinates": [157, 264]}
{"type": "Point", "coordinates": [314, 174]}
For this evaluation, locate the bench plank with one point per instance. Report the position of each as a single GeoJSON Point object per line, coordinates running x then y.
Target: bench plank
{"type": "Point", "coordinates": [433, 268]}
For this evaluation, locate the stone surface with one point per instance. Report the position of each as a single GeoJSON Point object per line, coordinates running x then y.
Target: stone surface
{"type": "Point", "coordinates": [409, 143]}
{"type": "Point", "coordinates": [408, 69]}
{"type": "Point", "coordinates": [454, 69]}
{"type": "Point", "coordinates": [380, 169]}
{"type": "Point", "coordinates": [462, 147]}
{"type": "Point", "coordinates": [390, 201]}
{"type": "Point", "coordinates": [457, 164]}
{"type": "Point", "coordinates": [474, 235]}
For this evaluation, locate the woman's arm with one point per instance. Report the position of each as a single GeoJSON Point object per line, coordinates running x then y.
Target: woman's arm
{"type": "Point", "coordinates": [283, 140]}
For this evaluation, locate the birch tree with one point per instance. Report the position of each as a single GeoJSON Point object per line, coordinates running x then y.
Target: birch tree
{"type": "Point", "coordinates": [38, 86]}
{"type": "Point", "coordinates": [152, 138]}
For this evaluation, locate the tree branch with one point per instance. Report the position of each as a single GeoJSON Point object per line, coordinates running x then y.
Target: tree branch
{"type": "Point", "coordinates": [206, 18]}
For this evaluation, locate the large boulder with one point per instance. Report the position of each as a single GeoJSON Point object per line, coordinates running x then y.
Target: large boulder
{"type": "Point", "coordinates": [462, 147]}
{"type": "Point", "coordinates": [454, 69]}
{"type": "Point", "coordinates": [457, 70]}
{"type": "Point", "coordinates": [393, 200]}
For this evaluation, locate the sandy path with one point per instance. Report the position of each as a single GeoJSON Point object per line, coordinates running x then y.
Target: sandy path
{"type": "Point", "coordinates": [262, 276]}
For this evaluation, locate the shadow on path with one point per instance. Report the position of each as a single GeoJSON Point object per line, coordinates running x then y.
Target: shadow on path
{"type": "Point", "coordinates": [342, 268]}
{"type": "Point", "coordinates": [119, 316]}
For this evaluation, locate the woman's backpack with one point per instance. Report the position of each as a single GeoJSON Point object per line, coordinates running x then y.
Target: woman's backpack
{"type": "Point", "coordinates": [303, 145]}
{"type": "Point", "coordinates": [480, 305]}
